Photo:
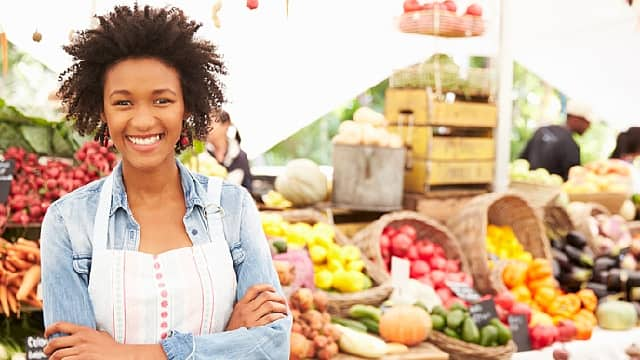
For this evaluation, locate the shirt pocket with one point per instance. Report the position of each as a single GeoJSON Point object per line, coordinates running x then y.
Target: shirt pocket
{"type": "Point", "coordinates": [82, 266]}
{"type": "Point", "coordinates": [237, 255]}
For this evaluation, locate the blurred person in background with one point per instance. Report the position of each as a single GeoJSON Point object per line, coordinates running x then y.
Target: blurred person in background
{"type": "Point", "coordinates": [553, 147]}
{"type": "Point", "coordinates": [223, 143]}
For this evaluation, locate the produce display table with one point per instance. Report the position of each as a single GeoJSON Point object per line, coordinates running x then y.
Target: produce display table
{"type": "Point", "coordinates": [424, 351]}
{"type": "Point", "coordinates": [604, 344]}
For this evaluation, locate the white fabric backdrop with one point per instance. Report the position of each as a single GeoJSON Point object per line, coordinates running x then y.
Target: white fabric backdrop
{"type": "Point", "coordinates": [286, 73]}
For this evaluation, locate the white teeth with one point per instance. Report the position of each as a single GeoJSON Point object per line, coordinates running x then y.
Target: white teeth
{"type": "Point", "coordinates": [144, 141]}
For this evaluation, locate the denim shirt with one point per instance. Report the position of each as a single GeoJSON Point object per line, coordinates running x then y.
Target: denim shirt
{"type": "Point", "coordinates": [66, 262]}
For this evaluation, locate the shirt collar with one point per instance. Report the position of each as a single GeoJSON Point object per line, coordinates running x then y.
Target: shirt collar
{"type": "Point", "coordinates": [193, 190]}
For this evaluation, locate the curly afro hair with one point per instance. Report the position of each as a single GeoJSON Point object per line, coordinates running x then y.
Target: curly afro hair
{"type": "Point", "coordinates": [165, 34]}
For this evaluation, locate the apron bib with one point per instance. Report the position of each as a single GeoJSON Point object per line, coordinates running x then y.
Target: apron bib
{"type": "Point", "coordinates": [138, 298]}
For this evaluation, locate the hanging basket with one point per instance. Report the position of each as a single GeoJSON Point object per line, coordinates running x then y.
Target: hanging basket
{"type": "Point", "coordinates": [368, 240]}
{"type": "Point", "coordinates": [440, 23]}
{"type": "Point", "coordinates": [539, 196]}
{"type": "Point", "coordinates": [461, 350]}
{"type": "Point", "coordinates": [339, 303]}
{"type": "Point", "coordinates": [470, 228]}
{"type": "Point", "coordinates": [557, 220]}
{"type": "Point", "coordinates": [582, 214]}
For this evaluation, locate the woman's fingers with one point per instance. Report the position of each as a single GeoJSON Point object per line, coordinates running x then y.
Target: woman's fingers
{"type": "Point", "coordinates": [60, 343]}
{"type": "Point", "coordinates": [255, 291]}
{"type": "Point", "coordinates": [64, 353]}
{"type": "Point", "coordinates": [270, 307]}
{"type": "Point", "coordinates": [269, 318]}
{"type": "Point", "coordinates": [264, 297]}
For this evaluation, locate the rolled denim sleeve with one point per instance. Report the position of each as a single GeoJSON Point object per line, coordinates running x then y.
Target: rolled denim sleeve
{"type": "Point", "coordinates": [65, 293]}
{"type": "Point", "coordinates": [263, 342]}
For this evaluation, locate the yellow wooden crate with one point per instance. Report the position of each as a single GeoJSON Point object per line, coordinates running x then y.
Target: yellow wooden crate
{"type": "Point", "coordinates": [421, 175]}
{"type": "Point", "coordinates": [424, 144]}
{"type": "Point", "coordinates": [412, 106]}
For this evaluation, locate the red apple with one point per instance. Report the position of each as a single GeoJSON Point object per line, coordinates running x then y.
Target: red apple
{"type": "Point", "coordinates": [453, 266]}
{"type": "Point", "coordinates": [444, 294]}
{"type": "Point", "coordinates": [389, 231]}
{"type": "Point", "coordinates": [506, 300]}
{"type": "Point", "coordinates": [437, 262]}
{"type": "Point", "coordinates": [474, 10]}
{"type": "Point", "coordinates": [438, 277]}
{"type": "Point", "coordinates": [451, 5]}
{"type": "Point", "coordinates": [400, 245]}
{"type": "Point", "coordinates": [252, 4]}
{"type": "Point", "coordinates": [411, 5]}
{"type": "Point", "coordinates": [412, 254]}
{"type": "Point", "coordinates": [419, 268]}
{"type": "Point", "coordinates": [425, 250]}
{"type": "Point", "coordinates": [385, 242]}
{"type": "Point", "coordinates": [409, 230]}
{"type": "Point", "coordinates": [521, 309]}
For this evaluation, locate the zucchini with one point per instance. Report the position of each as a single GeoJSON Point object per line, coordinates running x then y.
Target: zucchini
{"type": "Point", "coordinates": [351, 324]}
{"type": "Point", "coordinates": [372, 325]}
{"type": "Point", "coordinates": [359, 312]}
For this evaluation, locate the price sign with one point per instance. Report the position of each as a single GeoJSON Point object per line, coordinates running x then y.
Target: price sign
{"type": "Point", "coordinates": [6, 175]}
{"type": "Point", "coordinates": [463, 291]}
{"type": "Point", "coordinates": [399, 273]}
{"type": "Point", "coordinates": [520, 331]}
{"type": "Point", "coordinates": [482, 312]}
{"type": "Point", "coordinates": [34, 348]}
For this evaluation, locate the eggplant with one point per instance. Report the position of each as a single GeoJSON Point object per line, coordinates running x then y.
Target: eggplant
{"type": "Point", "coordinates": [614, 281]}
{"type": "Point", "coordinates": [600, 276]}
{"type": "Point", "coordinates": [574, 279]}
{"type": "Point", "coordinates": [576, 239]}
{"type": "Point", "coordinates": [557, 244]}
{"type": "Point", "coordinates": [578, 257]}
{"type": "Point", "coordinates": [605, 263]}
{"type": "Point", "coordinates": [599, 289]}
{"type": "Point", "coordinates": [556, 268]}
{"type": "Point", "coordinates": [562, 259]}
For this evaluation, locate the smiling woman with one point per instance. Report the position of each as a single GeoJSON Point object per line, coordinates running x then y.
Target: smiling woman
{"type": "Point", "coordinates": [154, 261]}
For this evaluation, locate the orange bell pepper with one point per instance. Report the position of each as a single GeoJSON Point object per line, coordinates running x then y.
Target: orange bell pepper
{"type": "Point", "coordinates": [539, 269]}
{"type": "Point", "coordinates": [521, 293]}
{"type": "Point", "coordinates": [589, 299]}
{"type": "Point", "coordinates": [566, 306]}
{"type": "Point", "coordinates": [514, 274]}
{"type": "Point", "coordinates": [585, 316]}
{"type": "Point", "coordinates": [544, 296]}
{"type": "Point", "coordinates": [548, 281]}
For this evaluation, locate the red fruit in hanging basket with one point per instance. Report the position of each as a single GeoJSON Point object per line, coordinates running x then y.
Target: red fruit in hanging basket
{"type": "Point", "coordinates": [252, 4]}
{"type": "Point", "coordinates": [411, 5]}
{"type": "Point", "coordinates": [412, 254]}
{"type": "Point", "coordinates": [474, 10]}
{"type": "Point", "coordinates": [419, 268]}
{"type": "Point", "coordinates": [451, 5]}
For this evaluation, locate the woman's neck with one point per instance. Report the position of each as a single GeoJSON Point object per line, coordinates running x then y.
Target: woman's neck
{"type": "Point", "coordinates": [221, 144]}
{"type": "Point", "coordinates": [151, 187]}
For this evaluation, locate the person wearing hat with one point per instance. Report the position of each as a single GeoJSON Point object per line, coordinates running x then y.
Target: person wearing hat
{"type": "Point", "coordinates": [553, 147]}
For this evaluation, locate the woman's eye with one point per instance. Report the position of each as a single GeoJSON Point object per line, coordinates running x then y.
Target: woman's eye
{"type": "Point", "coordinates": [122, 103]}
{"type": "Point", "coordinates": [163, 101]}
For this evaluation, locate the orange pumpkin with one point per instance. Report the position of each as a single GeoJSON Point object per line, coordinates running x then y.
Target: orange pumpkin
{"type": "Point", "coordinates": [405, 324]}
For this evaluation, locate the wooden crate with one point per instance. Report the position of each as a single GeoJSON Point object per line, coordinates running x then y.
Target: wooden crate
{"type": "Point", "coordinates": [367, 177]}
{"type": "Point", "coordinates": [422, 175]}
{"type": "Point", "coordinates": [423, 143]}
{"type": "Point", "coordinates": [415, 107]}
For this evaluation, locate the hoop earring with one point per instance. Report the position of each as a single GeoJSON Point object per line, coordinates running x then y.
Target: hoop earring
{"type": "Point", "coordinates": [102, 136]}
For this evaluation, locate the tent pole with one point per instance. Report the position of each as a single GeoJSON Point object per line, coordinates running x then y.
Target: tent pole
{"type": "Point", "coordinates": [505, 103]}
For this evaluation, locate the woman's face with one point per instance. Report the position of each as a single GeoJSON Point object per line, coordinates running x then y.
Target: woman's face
{"type": "Point", "coordinates": [144, 109]}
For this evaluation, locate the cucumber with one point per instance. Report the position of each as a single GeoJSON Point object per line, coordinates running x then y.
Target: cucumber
{"type": "Point", "coordinates": [351, 324]}
{"type": "Point", "coordinates": [372, 325]}
{"type": "Point", "coordinates": [359, 312]}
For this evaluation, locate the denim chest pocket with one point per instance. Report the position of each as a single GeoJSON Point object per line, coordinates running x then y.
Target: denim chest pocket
{"type": "Point", "coordinates": [82, 266]}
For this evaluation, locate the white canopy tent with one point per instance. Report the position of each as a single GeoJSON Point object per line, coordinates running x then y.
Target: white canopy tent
{"type": "Point", "coordinates": [287, 72]}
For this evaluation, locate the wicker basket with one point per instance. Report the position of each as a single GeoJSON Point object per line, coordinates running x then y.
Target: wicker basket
{"type": "Point", "coordinates": [557, 220]}
{"type": "Point", "coordinates": [339, 303]}
{"type": "Point", "coordinates": [539, 196]}
{"type": "Point", "coordinates": [581, 214]}
{"type": "Point", "coordinates": [440, 23]}
{"type": "Point", "coordinates": [470, 228]}
{"type": "Point", "coordinates": [367, 240]}
{"type": "Point", "coordinates": [460, 350]}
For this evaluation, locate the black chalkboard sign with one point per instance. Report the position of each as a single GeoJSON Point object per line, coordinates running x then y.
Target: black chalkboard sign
{"type": "Point", "coordinates": [463, 291]}
{"type": "Point", "coordinates": [34, 348]}
{"type": "Point", "coordinates": [520, 331]}
{"type": "Point", "coordinates": [482, 312]}
{"type": "Point", "coordinates": [6, 175]}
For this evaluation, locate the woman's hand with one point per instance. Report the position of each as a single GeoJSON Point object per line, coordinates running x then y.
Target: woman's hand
{"type": "Point", "coordinates": [261, 305]}
{"type": "Point", "coordinates": [87, 343]}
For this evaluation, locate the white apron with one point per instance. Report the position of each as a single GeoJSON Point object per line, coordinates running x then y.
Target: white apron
{"type": "Point", "coordinates": [138, 298]}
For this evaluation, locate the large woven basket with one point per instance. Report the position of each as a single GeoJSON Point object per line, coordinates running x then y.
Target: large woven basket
{"type": "Point", "coordinates": [581, 213]}
{"type": "Point", "coordinates": [339, 303]}
{"type": "Point", "coordinates": [539, 196]}
{"type": "Point", "coordinates": [557, 220]}
{"type": "Point", "coordinates": [470, 227]}
{"type": "Point", "coordinates": [460, 350]}
{"type": "Point", "coordinates": [368, 239]}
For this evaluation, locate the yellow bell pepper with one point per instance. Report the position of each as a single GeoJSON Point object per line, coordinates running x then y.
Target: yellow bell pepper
{"type": "Point", "coordinates": [514, 274]}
